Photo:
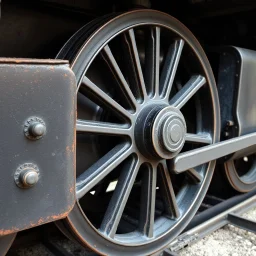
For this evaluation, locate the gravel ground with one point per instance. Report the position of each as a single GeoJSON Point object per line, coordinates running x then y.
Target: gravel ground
{"type": "Point", "coordinates": [229, 241]}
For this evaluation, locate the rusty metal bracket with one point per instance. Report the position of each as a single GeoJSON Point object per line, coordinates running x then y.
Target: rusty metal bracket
{"type": "Point", "coordinates": [45, 89]}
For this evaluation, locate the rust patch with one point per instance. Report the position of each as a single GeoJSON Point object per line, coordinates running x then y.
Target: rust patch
{"type": "Point", "coordinates": [39, 222]}
{"type": "Point", "coordinates": [32, 61]}
{"type": "Point", "coordinates": [68, 150]}
{"type": "Point", "coordinates": [71, 190]}
{"type": "Point", "coordinates": [8, 231]}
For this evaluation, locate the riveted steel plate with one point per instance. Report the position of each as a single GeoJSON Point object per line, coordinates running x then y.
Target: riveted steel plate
{"type": "Point", "coordinates": [45, 89]}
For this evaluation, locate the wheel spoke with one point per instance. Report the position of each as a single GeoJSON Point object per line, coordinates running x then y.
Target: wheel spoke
{"type": "Point", "coordinates": [170, 68]}
{"type": "Point", "coordinates": [195, 176]}
{"type": "Point", "coordinates": [187, 91]}
{"type": "Point", "coordinates": [83, 126]}
{"type": "Point", "coordinates": [119, 77]}
{"type": "Point", "coordinates": [101, 98]}
{"type": "Point", "coordinates": [148, 200]}
{"type": "Point", "coordinates": [152, 60]}
{"type": "Point", "coordinates": [88, 179]}
{"type": "Point", "coordinates": [201, 138]}
{"type": "Point", "coordinates": [170, 202]}
{"type": "Point", "coordinates": [119, 199]}
{"type": "Point", "coordinates": [139, 82]}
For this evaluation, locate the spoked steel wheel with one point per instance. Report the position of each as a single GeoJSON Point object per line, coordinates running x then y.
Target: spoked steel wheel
{"type": "Point", "coordinates": [145, 94]}
{"type": "Point", "coordinates": [241, 173]}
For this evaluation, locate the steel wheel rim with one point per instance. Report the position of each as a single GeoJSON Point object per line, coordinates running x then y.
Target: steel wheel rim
{"type": "Point", "coordinates": [242, 183]}
{"type": "Point", "coordinates": [80, 73]}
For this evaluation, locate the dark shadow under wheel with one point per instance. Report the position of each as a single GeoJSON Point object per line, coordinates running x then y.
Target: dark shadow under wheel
{"type": "Point", "coordinates": [146, 92]}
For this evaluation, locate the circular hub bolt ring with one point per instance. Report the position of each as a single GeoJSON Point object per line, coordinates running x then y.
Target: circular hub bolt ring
{"type": "Point", "coordinates": [168, 132]}
{"type": "Point", "coordinates": [143, 131]}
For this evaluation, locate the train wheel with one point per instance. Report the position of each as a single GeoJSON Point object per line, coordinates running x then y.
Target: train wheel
{"type": "Point", "coordinates": [241, 173]}
{"type": "Point", "coordinates": [145, 93]}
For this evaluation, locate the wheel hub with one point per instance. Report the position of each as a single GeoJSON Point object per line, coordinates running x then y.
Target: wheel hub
{"type": "Point", "coordinates": [160, 132]}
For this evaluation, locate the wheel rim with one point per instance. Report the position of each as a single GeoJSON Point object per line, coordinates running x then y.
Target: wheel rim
{"type": "Point", "coordinates": [241, 173]}
{"type": "Point", "coordinates": [148, 109]}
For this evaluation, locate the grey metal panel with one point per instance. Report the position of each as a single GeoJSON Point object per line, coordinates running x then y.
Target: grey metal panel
{"type": "Point", "coordinates": [237, 90]}
{"type": "Point", "coordinates": [45, 89]}
{"type": "Point", "coordinates": [246, 104]}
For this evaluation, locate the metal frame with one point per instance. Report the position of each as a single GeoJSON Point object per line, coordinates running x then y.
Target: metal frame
{"type": "Point", "coordinates": [37, 166]}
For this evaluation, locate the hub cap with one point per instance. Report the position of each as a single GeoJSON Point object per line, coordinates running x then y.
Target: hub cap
{"type": "Point", "coordinates": [169, 130]}
{"type": "Point", "coordinates": [160, 132]}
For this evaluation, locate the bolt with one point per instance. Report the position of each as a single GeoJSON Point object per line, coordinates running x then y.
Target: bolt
{"type": "Point", "coordinates": [230, 123]}
{"type": "Point", "coordinates": [29, 178]}
{"type": "Point", "coordinates": [37, 129]}
{"type": "Point", "coordinates": [34, 128]}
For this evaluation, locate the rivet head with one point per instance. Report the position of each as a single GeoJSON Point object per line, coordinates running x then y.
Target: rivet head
{"type": "Point", "coordinates": [27, 175]}
{"type": "Point", "coordinates": [37, 129]}
{"type": "Point", "coordinates": [34, 128]}
{"type": "Point", "coordinates": [29, 178]}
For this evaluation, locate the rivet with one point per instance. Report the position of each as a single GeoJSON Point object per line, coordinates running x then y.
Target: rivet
{"type": "Point", "coordinates": [29, 178]}
{"type": "Point", "coordinates": [230, 123]}
{"type": "Point", "coordinates": [26, 175]}
{"type": "Point", "coordinates": [34, 128]}
{"type": "Point", "coordinates": [37, 129]}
